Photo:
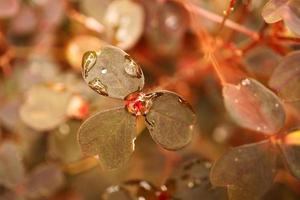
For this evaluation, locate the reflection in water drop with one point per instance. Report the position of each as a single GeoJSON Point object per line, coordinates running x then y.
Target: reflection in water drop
{"type": "Point", "coordinates": [88, 61]}
{"type": "Point", "coordinates": [103, 71]}
{"type": "Point", "coordinates": [132, 68]}
{"type": "Point", "coordinates": [245, 82]}
{"type": "Point", "coordinates": [98, 86]}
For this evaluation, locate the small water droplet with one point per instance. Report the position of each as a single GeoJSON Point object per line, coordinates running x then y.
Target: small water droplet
{"type": "Point", "coordinates": [64, 129]}
{"type": "Point", "coordinates": [207, 165]}
{"type": "Point", "coordinates": [88, 61]}
{"type": "Point", "coordinates": [145, 185]}
{"type": "Point", "coordinates": [236, 101]}
{"type": "Point", "coordinates": [103, 71]}
{"type": "Point", "coordinates": [132, 68]}
{"type": "Point", "coordinates": [258, 128]}
{"type": "Point", "coordinates": [246, 82]}
{"type": "Point", "coordinates": [113, 189]}
{"type": "Point", "coordinates": [236, 159]}
{"type": "Point", "coordinates": [277, 105]}
{"type": "Point", "coordinates": [191, 184]}
{"type": "Point", "coordinates": [98, 86]}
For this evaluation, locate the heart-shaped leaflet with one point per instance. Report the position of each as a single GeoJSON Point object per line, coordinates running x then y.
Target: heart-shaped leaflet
{"type": "Point", "coordinates": [253, 166]}
{"type": "Point", "coordinates": [110, 134]}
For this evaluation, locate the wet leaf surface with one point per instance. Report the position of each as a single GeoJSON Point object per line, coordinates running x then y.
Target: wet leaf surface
{"type": "Point", "coordinates": [191, 181]}
{"type": "Point", "coordinates": [286, 77]}
{"type": "Point", "coordinates": [247, 171]}
{"type": "Point", "coordinates": [11, 167]}
{"type": "Point", "coordinates": [253, 106]}
{"type": "Point", "coordinates": [170, 120]}
{"type": "Point", "coordinates": [110, 135]}
{"type": "Point", "coordinates": [44, 107]}
{"type": "Point", "coordinates": [112, 72]}
{"type": "Point", "coordinates": [124, 20]}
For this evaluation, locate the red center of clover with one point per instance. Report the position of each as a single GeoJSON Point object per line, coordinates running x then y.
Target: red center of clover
{"type": "Point", "coordinates": [137, 103]}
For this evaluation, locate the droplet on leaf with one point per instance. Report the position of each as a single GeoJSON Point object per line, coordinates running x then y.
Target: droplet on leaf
{"type": "Point", "coordinates": [253, 106]}
{"type": "Point", "coordinates": [88, 61]}
{"type": "Point", "coordinates": [113, 74]}
{"type": "Point", "coordinates": [247, 171]}
{"type": "Point", "coordinates": [170, 120]}
{"type": "Point", "coordinates": [110, 135]}
{"type": "Point", "coordinates": [190, 180]}
{"type": "Point", "coordinates": [78, 45]}
{"type": "Point", "coordinates": [286, 77]}
{"type": "Point", "coordinates": [124, 20]}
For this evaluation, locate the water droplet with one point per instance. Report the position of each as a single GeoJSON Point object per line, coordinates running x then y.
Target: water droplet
{"type": "Point", "coordinates": [246, 82]}
{"type": "Point", "coordinates": [88, 61]}
{"type": "Point", "coordinates": [277, 105]}
{"type": "Point", "coordinates": [258, 128]}
{"type": "Point", "coordinates": [64, 129]}
{"type": "Point", "coordinates": [145, 185]}
{"type": "Point", "coordinates": [191, 184]}
{"type": "Point", "coordinates": [132, 68]}
{"type": "Point", "coordinates": [236, 101]}
{"type": "Point", "coordinates": [236, 159]}
{"type": "Point", "coordinates": [98, 86]}
{"type": "Point", "coordinates": [207, 165]}
{"type": "Point", "coordinates": [103, 71]}
{"type": "Point", "coordinates": [113, 189]}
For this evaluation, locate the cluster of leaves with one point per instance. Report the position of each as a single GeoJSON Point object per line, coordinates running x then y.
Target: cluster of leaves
{"type": "Point", "coordinates": [44, 101]}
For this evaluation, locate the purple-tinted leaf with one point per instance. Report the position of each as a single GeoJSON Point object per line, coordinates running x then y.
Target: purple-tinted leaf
{"type": "Point", "coordinates": [45, 107]}
{"type": "Point", "coordinates": [253, 106]}
{"type": "Point", "coordinates": [8, 8]}
{"type": "Point", "coordinates": [44, 181]}
{"type": "Point", "coordinates": [273, 9]}
{"type": "Point", "coordinates": [191, 181]}
{"type": "Point", "coordinates": [63, 144]}
{"type": "Point", "coordinates": [170, 120]}
{"type": "Point", "coordinates": [112, 72]}
{"type": "Point", "coordinates": [124, 20]}
{"type": "Point", "coordinates": [247, 171]}
{"type": "Point", "coordinates": [290, 149]}
{"type": "Point", "coordinates": [110, 135]}
{"type": "Point", "coordinates": [11, 166]}
{"type": "Point", "coordinates": [288, 10]}
{"type": "Point", "coordinates": [286, 77]}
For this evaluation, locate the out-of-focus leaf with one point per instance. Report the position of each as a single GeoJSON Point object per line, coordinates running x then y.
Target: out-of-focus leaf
{"type": "Point", "coordinates": [261, 61]}
{"type": "Point", "coordinates": [290, 149]}
{"type": "Point", "coordinates": [272, 11]}
{"type": "Point", "coordinates": [253, 106]}
{"type": "Point", "coordinates": [8, 8]}
{"type": "Point", "coordinates": [166, 25]}
{"type": "Point", "coordinates": [110, 135]}
{"type": "Point", "coordinates": [286, 77]}
{"type": "Point", "coordinates": [63, 144]}
{"type": "Point", "coordinates": [191, 181]}
{"type": "Point", "coordinates": [45, 107]}
{"type": "Point", "coordinates": [247, 171]}
{"type": "Point", "coordinates": [286, 10]}
{"type": "Point", "coordinates": [124, 20]}
{"type": "Point", "coordinates": [117, 192]}
{"type": "Point", "coordinates": [44, 181]}
{"type": "Point", "coordinates": [11, 166]}
{"type": "Point", "coordinates": [170, 120]}
{"type": "Point", "coordinates": [112, 72]}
